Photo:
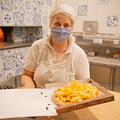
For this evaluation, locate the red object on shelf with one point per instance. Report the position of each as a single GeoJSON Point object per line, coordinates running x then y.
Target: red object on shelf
{"type": "Point", "coordinates": [1, 35]}
{"type": "Point", "coordinates": [118, 53]}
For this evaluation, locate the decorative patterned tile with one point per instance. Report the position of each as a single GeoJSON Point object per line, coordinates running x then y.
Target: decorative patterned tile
{"type": "Point", "coordinates": [39, 9]}
{"type": "Point", "coordinates": [49, 2]}
{"type": "Point", "coordinates": [1, 65]}
{"type": "Point", "coordinates": [0, 14]}
{"type": "Point", "coordinates": [44, 19]}
{"type": "Point", "coordinates": [103, 1]}
{"type": "Point", "coordinates": [28, 19]}
{"type": "Point", "coordinates": [37, 19]}
{"type": "Point", "coordinates": [13, 64]}
{"type": "Point", "coordinates": [112, 21]}
{"type": "Point", "coordinates": [37, 33]}
{"type": "Point", "coordinates": [82, 10]}
{"type": "Point", "coordinates": [7, 17]}
{"type": "Point", "coordinates": [18, 32]}
{"type": "Point", "coordinates": [19, 11]}
{"type": "Point", "coordinates": [9, 52]}
{"type": "Point", "coordinates": [19, 50]}
{"type": "Point", "coordinates": [7, 12]}
{"type": "Point", "coordinates": [23, 34]}
{"type": "Point", "coordinates": [29, 34]}
{"type": "Point", "coordinates": [9, 73]}
{"type": "Point", "coordinates": [44, 31]}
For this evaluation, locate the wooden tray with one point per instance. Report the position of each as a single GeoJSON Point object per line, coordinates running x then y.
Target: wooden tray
{"type": "Point", "coordinates": [106, 97]}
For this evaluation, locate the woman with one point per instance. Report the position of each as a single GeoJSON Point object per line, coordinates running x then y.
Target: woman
{"type": "Point", "coordinates": [55, 58]}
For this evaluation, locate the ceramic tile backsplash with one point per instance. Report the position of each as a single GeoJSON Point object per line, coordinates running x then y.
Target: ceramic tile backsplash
{"type": "Point", "coordinates": [0, 14]}
{"type": "Point", "coordinates": [23, 12]}
{"type": "Point", "coordinates": [82, 10]}
{"type": "Point", "coordinates": [22, 34]}
{"type": "Point", "coordinates": [7, 12]}
{"type": "Point", "coordinates": [106, 12]}
{"type": "Point", "coordinates": [12, 62]}
{"type": "Point", "coordinates": [112, 21]}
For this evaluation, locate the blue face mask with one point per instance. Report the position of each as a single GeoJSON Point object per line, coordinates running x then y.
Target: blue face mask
{"type": "Point", "coordinates": [60, 34]}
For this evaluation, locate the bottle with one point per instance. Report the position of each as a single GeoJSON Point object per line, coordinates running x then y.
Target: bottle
{"type": "Point", "coordinates": [107, 53]}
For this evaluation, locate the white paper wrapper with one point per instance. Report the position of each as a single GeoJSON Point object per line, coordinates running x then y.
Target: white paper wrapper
{"type": "Point", "coordinates": [26, 103]}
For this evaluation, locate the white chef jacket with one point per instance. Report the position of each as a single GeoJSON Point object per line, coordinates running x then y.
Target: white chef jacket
{"type": "Point", "coordinates": [41, 59]}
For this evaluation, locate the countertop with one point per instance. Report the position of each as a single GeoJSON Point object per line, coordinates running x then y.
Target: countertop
{"type": "Point", "coordinates": [110, 62]}
{"type": "Point", "coordinates": [6, 45]}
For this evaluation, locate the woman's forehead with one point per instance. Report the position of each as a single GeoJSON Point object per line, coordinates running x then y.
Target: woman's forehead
{"type": "Point", "coordinates": [62, 17]}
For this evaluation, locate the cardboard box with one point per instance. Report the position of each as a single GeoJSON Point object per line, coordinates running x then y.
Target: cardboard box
{"type": "Point", "coordinates": [38, 102]}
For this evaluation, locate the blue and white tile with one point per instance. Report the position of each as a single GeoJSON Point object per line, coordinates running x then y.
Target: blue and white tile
{"type": "Point", "coordinates": [82, 10]}
{"type": "Point", "coordinates": [9, 52]}
{"type": "Point", "coordinates": [37, 33]}
{"type": "Point", "coordinates": [18, 18]}
{"type": "Point", "coordinates": [0, 14]}
{"type": "Point", "coordinates": [7, 12]}
{"type": "Point", "coordinates": [37, 19]}
{"type": "Point", "coordinates": [28, 6]}
{"type": "Point", "coordinates": [7, 18]}
{"type": "Point", "coordinates": [44, 20]}
{"type": "Point", "coordinates": [18, 32]}
{"type": "Point", "coordinates": [9, 73]}
{"type": "Point", "coordinates": [103, 1]}
{"type": "Point", "coordinates": [44, 31]}
{"type": "Point", "coordinates": [7, 5]}
{"type": "Point", "coordinates": [19, 6]}
{"type": "Point", "coordinates": [37, 4]}
{"type": "Point", "coordinates": [1, 65]}
{"type": "Point", "coordinates": [28, 19]}
{"type": "Point", "coordinates": [112, 21]}
{"type": "Point", "coordinates": [19, 50]}
{"type": "Point", "coordinates": [49, 2]}
{"type": "Point", "coordinates": [39, 9]}
{"type": "Point", "coordinates": [29, 34]}
{"type": "Point", "coordinates": [8, 63]}
{"type": "Point", "coordinates": [19, 12]}
{"type": "Point", "coordinates": [44, 8]}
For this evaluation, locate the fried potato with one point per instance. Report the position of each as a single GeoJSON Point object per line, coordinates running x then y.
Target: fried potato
{"type": "Point", "coordinates": [75, 92]}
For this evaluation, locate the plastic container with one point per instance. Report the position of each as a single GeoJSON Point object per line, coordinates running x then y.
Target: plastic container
{"type": "Point", "coordinates": [107, 53]}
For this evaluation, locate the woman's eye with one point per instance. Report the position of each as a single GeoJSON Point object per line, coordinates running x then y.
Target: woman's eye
{"type": "Point", "coordinates": [66, 25]}
{"type": "Point", "coordinates": [57, 24]}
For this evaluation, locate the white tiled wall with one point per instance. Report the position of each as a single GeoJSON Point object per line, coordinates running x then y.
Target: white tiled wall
{"type": "Point", "coordinates": [106, 12]}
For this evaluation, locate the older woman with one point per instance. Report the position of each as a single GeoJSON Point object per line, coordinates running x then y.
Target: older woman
{"type": "Point", "coordinates": [57, 57]}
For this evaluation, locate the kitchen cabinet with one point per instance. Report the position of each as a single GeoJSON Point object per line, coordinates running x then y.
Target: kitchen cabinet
{"type": "Point", "coordinates": [102, 75]}
{"type": "Point", "coordinates": [117, 80]}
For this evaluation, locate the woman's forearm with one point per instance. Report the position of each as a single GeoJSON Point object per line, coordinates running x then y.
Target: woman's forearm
{"type": "Point", "coordinates": [27, 81]}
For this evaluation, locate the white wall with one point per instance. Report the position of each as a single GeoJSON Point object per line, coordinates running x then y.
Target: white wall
{"type": "Point", "coordinates": [106, 12]}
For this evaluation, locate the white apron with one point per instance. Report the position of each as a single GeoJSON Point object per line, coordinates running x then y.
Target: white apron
{"type": "Point", "coordinates": [49, 70]}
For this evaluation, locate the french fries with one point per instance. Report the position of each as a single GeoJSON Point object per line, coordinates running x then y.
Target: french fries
{"type": "Point", "coordinates": [76, 92]}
